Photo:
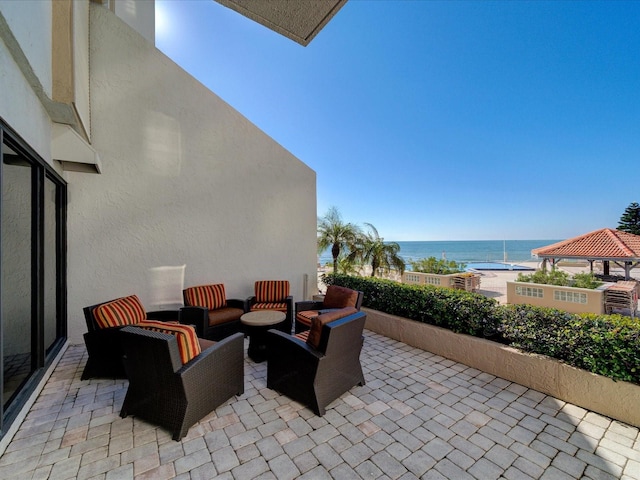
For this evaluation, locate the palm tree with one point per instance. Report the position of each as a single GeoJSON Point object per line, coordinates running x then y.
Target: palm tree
{"type": "Point", "coordinates": [334, 233]}
{"type": "Point", "coordinates": [373, 250]}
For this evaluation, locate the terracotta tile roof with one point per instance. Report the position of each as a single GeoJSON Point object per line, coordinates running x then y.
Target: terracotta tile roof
{"type": "Point", "coordinates": [600, 244]}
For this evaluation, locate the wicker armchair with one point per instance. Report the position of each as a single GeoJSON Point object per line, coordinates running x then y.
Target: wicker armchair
{"type": "Point", "coordinates": [214, 315]}
{"type": "Point", "coordinates": [317, 366]}
{"type": "Point", "coordinates": [102, 338]}
{"type": "Point", "coordinates": [336, 297]}
{"type": "Point", "coordinates": [166, 392]}
{"type": "Point", "coordinates": [273, 295]}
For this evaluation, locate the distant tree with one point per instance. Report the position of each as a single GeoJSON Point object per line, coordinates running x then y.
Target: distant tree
{"type": "Point", "coordinates": [371, 249]}
{"type": "Point", "coordinates": [440, 267]}
{"type": "Point", "coordinates": [630, 219]}
{"type": "Point", "coordinates": [334, 233]}
{"type": "Point", "coordinates": [347, 266]}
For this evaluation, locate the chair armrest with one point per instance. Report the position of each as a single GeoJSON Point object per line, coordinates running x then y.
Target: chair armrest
{"type": "Point", "coordinates": [216, 363]}
{"type": "Point", "coordinates": [196, 316]}
{"type": "Point", "coordinates": [238, 303]}
{"type": "Point", "coordinates": [251, 300]}
{"type": "Point", "coordinates": [164, 315]}
{"type": "Point", "coordinates": [283, 345]}
{"type": "Point", "coordinates": [308, 305]}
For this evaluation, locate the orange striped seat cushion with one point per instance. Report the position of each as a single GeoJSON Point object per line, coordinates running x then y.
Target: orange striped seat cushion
{"type": "Point", "coordinates": [306, 316]}
{"type": "Point", "coordinates": [120, 312]}
{"type": "Point", "coordinates": [211, 297]}
{"type": "Point", "coordinates": [303, 335]}
{"type": "Point", "coordinates": [282, 307]}
{"type": "Point", "coordinates": [188, 343]}
{"type": "Point", "coordinates": [271, 291]}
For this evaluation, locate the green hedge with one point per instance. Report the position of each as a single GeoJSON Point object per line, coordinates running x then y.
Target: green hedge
{"type": "Point", "coordinates": [456, 310]}
{"type": "Point", "coordinates": [604, 344]}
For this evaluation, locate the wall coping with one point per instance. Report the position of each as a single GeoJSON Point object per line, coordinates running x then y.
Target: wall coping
{"type": "Point", "coordinates": [614, 399]}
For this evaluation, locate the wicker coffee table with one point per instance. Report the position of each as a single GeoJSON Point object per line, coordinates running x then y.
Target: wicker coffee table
{"type": "Point", "coordinates": [256, 325]}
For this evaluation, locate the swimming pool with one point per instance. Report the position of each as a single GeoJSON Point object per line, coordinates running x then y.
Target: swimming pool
{"type": "Point", "coordinates": [497, 266]}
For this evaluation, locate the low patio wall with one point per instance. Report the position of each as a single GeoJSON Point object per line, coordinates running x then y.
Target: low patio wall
{"type": "Point", "coordinates": [617, 400]}
{"type": "Point", "coordinates": [465, 281]}
{"type": "Point", "coordinates": [569, 299]}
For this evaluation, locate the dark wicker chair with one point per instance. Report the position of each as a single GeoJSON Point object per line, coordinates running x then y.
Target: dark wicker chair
{"type": "Point", "coordinates": [214, 316]}
{"type": "Point", "coordinates": [316, 376]}
{"type": "Point", "coordinates": [165, 392]}
{"type": "Point", "coordinates": [103, 344]}
{"type": "Point", "coordinates": [335, 298]}
{"type": "Point", "coordinates": [273, 295]}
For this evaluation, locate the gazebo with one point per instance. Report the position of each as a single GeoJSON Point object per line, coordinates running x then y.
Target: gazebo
{"type": "Point", "coordinates": [606, 245]}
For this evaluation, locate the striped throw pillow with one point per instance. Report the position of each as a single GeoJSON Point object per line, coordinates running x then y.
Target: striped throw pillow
{"type": "Point", "coordinates": [211, 297]}
{"type": "Point", "coordinates": [271, 291]}
{"type": "Point", "coordinates": [120, 312]}
{"type": "Point", "coordinates": [188, 344]}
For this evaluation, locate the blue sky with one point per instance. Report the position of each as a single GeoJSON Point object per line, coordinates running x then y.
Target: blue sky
{"type": "Point", "coordinates": [452, 120]}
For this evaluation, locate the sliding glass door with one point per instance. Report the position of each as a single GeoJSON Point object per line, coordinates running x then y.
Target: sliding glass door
{"type": "Point", "coordinates": [32, 270]}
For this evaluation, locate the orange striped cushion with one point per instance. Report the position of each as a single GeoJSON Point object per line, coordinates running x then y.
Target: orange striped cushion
{"type": "Point", "coordinates": [211, 297]}
{"type": "Point", "coordinates": [303, 335]}
{"type": "Point", "coordinates": [270, 291]}
{"type": "Point", "coordinates": [120, 312]}
{"type": "Point", "coordinates": [188, 343]}
{"type": "Point", "coordinates": [269, 306]}
{"type": "Point", "coordinates": [306, 316]}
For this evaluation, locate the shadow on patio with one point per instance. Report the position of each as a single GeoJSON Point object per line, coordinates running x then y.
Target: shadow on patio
{"type": "Point", "coordinates": [418, 416]}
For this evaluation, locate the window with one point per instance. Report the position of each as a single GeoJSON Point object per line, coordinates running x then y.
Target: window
{"type": "Point", "coordinates": [529, 292]}
{"type": "Point", "coordinates": [32, 270]}
{"type": "Point", "coordinates": [432, 280]}
{"type": "Point", "coordinates": [571, 297]}
{"type": "Point", "coordinates": [412, 278]}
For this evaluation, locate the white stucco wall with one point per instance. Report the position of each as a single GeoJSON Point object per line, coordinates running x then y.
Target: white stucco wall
{"type": "Point", "coordinates": [30, 23]}
{"type": "Point", "coordinates": [139, 15]}
{"type": "Point", "coordinates": [187, 180]}
{"type": "Point", "coordinates": [19, 105]}
{"type": "Point", "coordinates": [81, 63]}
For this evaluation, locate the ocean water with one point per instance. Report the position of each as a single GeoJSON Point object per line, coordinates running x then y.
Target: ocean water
{"type": "Point", "coordinates": [465, 251]}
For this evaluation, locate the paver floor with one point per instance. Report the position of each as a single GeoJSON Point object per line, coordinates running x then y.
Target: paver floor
{"type": "Point", "coordinates": [418, 416]}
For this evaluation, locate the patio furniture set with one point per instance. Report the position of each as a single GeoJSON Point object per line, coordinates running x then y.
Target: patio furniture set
{"type": "Point", "coordinates": [183, 364]}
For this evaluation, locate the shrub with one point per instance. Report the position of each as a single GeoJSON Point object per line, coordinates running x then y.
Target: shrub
{"type": "Point", "coordinates": [440, 267]}
{"type": "Point", "coordinates": [585, 280]}
{"type": "Point", "coordinates": [560, 278]}
{"type": "Point", "coordinates": [552, 277]}
{"type": "Point", "coordinates": [604, 344]}
{"type": "Point", "coordinates": [457, 310]}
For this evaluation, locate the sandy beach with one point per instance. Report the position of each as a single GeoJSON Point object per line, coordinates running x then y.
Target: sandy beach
{"type": "Point", "coordinates": [494, 282]}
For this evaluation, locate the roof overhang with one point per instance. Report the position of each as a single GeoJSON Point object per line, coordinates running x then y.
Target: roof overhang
{"type": "Point", "coordinates": [298, 20]}
{"type": "Point", "coordinates": [590, 258]}
{"type": "Point", "coordinates": [72, 151]}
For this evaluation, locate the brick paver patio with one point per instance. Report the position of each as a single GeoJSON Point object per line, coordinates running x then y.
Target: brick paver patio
{"type": "Point", "coordinates": [419, 416]}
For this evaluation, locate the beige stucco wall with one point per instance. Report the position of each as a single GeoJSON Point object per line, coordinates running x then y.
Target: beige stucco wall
{"type": "Point", "coordinates": [186, 180]}
{"type": "Point", "coordinates": [419, 278]}
{"type": "Point", "coordinates": [138, 14]}
{"type": "Point", "coordinates": [19, 105]}
{"type": "Point", "coordinates": [618, 400]}
{"type": "Point", "coordinates": [30, 23]}
{"type": "Point", "coordinates": [466, 281]}
{"type": "Point", "coordinates": [594, 298]}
